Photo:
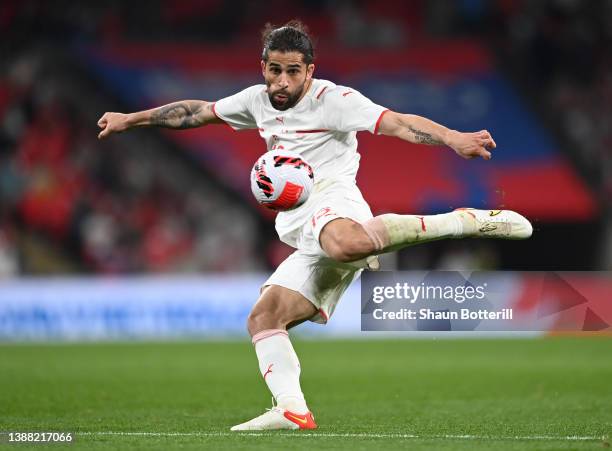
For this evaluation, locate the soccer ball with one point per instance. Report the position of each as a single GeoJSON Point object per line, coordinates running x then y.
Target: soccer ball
{"type": "Point", "coordinates": [281, 180]}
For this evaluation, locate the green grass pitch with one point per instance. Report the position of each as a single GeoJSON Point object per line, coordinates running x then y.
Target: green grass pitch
{"type": "Point", "coordinates": [540, 394]}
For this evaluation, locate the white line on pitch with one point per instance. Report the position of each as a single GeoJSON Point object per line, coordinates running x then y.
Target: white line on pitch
{"type": "Point", "coordinates": [347, 435]}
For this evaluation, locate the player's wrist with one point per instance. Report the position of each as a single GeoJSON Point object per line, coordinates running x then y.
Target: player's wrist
{"type": "Point", "coordinates": [449, 137]}
{"type": "Point", "coordinates": [134, 120]}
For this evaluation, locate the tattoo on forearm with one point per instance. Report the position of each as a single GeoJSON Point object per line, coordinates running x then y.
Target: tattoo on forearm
{"type": "Point", "coordinates": [177, 115]}
{"type": "Point", "coordinates": [423, 137]}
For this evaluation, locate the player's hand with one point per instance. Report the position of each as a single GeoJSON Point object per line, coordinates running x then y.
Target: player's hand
{"type": "Point", "coordinates": [112, 123]}
{"type": "Point", "coordinates": [472, 145]}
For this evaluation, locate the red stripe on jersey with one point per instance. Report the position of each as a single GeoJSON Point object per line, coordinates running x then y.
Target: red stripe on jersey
{"type": "Point", "coordinates": [321, 93]}
{"type": "Point", "coordinates": [221, 119]}
{"type": "Point", "coordinates": [378, 121]}
{"type": "Point", "coordinates": [321, 130]}
{"type": "Point", "coordinates": [323, 314]}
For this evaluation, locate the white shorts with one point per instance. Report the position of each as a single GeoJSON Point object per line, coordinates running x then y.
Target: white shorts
{"type": "Point", "coordinates": [309, 270]}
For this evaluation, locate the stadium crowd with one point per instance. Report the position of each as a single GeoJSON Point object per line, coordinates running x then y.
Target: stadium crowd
{"type": "Point", "coordinates": [118, 207]}
{"type": "Point", "coordinates": [560, 51]}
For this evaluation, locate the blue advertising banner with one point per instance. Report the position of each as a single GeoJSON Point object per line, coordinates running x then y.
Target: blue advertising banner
{"type": "Point", "coordinates": [125, 308]}
{"type": "Point", "coordinates": [405, 304]}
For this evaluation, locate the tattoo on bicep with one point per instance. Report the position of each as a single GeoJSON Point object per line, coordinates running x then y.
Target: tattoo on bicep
{"type": "Point", "coordinates": [423, 137]}
{"type": "Point", "coordinates": [177, 115]}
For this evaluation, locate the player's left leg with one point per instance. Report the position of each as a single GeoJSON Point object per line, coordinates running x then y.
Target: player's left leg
{"type": "Point", "coordinates": [306, 286]}
{"type": "Point", "coordinates": [346, 240]}
{"type": "Point", "coordinates": [277, 310]}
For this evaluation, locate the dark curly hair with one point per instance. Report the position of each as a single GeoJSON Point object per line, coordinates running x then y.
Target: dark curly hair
{"type": "Point", "coordinates": [291, 37]}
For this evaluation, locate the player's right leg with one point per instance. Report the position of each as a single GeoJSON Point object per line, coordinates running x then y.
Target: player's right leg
{"type": "Point", "coordinates": [390, 232]}
{"type": "Point", "coordinates": [277, 310]}
{"type": "Point", "coordinates": [346, 240]}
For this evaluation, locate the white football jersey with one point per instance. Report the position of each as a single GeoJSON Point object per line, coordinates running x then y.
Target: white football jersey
{"type": "Point", "coordinates": [322, 126]}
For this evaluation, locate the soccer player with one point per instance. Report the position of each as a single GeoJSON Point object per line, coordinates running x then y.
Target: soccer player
{"type": "Point", "coordinates": [334, 233]}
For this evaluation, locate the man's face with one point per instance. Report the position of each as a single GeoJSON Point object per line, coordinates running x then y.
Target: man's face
{"type": "Point", "coordinates": [287, 77]}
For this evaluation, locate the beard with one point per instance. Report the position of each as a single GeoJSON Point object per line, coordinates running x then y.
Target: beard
{"type": "Point", "coordinates": [286, 100]}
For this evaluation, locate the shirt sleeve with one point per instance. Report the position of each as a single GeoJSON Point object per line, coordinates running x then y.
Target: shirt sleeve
{"type": "Point", "coordinates": [348, 110]}
{"type": "Point", "coordinates": [236, 110]}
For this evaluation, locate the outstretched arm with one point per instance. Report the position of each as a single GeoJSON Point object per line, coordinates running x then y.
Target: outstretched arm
{"type": "Point", "coordinates": [420, 130]}
{"type": "Point", "coordinates": [177, 115]}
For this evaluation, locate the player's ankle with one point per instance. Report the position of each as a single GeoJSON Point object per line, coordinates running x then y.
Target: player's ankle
{"type": "Point", "coordinates": [466, 224]}
{"type": "Point", "coordinates": [293, 404]}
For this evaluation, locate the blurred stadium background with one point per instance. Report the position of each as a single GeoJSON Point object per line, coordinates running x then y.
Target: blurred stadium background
{"type": "Point", "coordinates": [155, 202]}
{"type": "Point", "coordinates": [536, 74]}
{"type": "Point", "coordinates": [154, 233]}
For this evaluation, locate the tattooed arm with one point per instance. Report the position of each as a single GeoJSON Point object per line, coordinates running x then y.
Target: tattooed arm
{"type": "Point", "coordinates": [420, 130]}
{"type": "Point", "coordinates": [177, 115]}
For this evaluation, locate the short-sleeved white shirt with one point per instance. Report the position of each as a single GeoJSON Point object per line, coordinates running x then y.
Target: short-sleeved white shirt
{"type": "Point", "coordinates": [322, 127]}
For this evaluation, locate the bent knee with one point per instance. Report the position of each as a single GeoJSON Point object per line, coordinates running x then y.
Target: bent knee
{"type": "Point", "coordinates": [348, 247]}
{"type": "Point", "coordinates": [260, 319]}
{"type": "Point", "coordinates": [342, 250]}
{"type": "Point", "coordinates": [279, 308]}
{"type": "Point", "coordinates": [345, 240]}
